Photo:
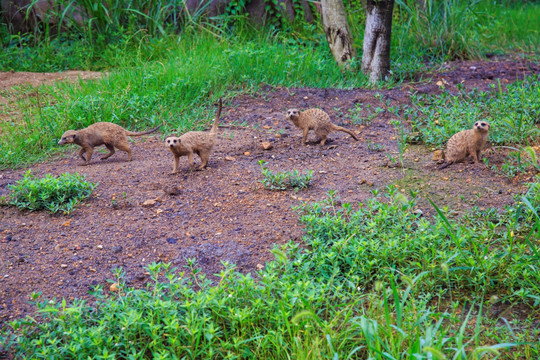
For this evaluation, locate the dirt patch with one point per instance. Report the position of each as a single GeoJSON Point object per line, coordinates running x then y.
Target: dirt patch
{"type": "Point", "coordinates": [223, 213]}
{"type": "Point", "coordinates": [10, 79]}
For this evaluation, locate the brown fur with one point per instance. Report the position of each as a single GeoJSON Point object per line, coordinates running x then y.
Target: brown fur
{"type": "Point", "coordinates": [198, 142]}
{"type": "Point", "coordinates": [101, 133]}
{"type": "Point", "coordinates": [317, 120]}
{"type": "Point", "coordinates": [467, 142]}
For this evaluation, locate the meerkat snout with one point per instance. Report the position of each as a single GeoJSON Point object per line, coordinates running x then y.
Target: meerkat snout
{"type": "Point", "coordinates": [482, 125]}
{"type": "Point", "coordinates": [172, 141]}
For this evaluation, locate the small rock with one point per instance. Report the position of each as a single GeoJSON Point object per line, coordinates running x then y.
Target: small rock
{"type": "Point", "coordinates": [63, 266]}
{"type": "Point", "coordinates": [9, 238]}
{"type": "Point", "coordinates": [266, 127]}
{"type": "Point", "coordinates": [438, 155]}
{"type": "Point", "coordinates": [230, 158]}
{"type": "Point", "coordinates": [172, 240]}
{"type": "Point", "coordinates": [117, 249]}
{"type": "Point", "coordinates": [100, 247]}
{"type": "Point", "coordinates": [114, 287]}
{"type": "Point", "coordinates": [67, 223]}
{"type": "Point", "coordinates": [172, 190]}
{"type": "Point", "coordinates": [369, 183]}
{"type": "Point", "coordinates": [363, 181]}
{"type": "Point", "coordinates": [247, 153]}
{"type": "Point", "coordinates": [267, 145]}
{"type": "Point", "coordinates": [149, 202]}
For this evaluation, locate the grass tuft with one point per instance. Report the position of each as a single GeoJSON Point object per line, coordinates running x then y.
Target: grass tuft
{"type": "Point", "coordinates": [50, 193]}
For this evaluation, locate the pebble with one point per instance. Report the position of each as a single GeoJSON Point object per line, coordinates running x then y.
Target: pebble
{"type": "Point", "coordinates": [114, 287]}
{"type": "Point", "coordinates": [100, 247]}
{"type": "Point", "coordinates": [437, 155]}
{"type": "Point", "coordinates": [267, 145]}
{"type": "Point", "coordinates": [117, 249]}
{"type": "Point", "coordinates": [172, 240]}
{"type": "Point", "coordinates": [63, 266]}
{"type": "Point", "coordinates": [149, 202]}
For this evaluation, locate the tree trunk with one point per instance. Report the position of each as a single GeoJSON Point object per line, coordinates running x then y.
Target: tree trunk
{"type": "Point", "coordinates": [376, 56]}
{"type": "Point", "coordinates": [337, 31]}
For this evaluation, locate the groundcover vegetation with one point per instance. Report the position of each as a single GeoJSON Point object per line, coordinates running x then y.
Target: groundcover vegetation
{"type": "Point", "coordinates": [361, 286]}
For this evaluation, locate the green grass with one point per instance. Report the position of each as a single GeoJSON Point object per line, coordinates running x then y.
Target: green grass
{"type": "Point", "coordinates": [378, 282]}
{"type": "Point", "coordinates": [50, 193]}
{"type": "Point", "coordinates": [513, 113]}
{"type": "Point", "coordinates": [284, 180]}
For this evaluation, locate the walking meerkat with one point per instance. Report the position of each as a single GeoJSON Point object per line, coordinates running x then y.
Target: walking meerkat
{"type": "Point", "coordinates": [101, 133]}
{"type": "Point", "coordinates": [467, 142]}
{"type": "Point", "coordinates": [317, 120]}
{"type": "Point", "coordinates": [198, 142]}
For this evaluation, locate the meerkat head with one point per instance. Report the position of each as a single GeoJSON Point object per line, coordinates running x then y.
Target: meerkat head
{"type": "Point", "coordinates": [172, 141]}
{"type": "Point", "coordinates": [69, 137]}
{"type": "Point", "coordinates": [293, 114]}
{"type": "Point", "coordinates": [481, 126]}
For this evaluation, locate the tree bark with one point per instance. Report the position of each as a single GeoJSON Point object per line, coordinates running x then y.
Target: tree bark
{"type": "Point", "coordinates": [376, 56]}
{"type": "Point", "coordinates": [337, 31]}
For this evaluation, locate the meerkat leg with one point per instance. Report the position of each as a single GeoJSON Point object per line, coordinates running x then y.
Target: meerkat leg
{"type": "Point", "coordinates": [190, 161]}
{"type": "Point", "coordinates": [322, 135]}
{"type": "Point", "coordinates": [89, 151]}
{"type": "Point", "coordinates": [479, 155]}
{"type": "Point", "coordinates": [205, 156]}
{"type": "Point", "coordinates": [81, 154]}
{"type": "Point", "coordinates": [111, 151]}
{"type": "Point", "coordinates": [474, 156]}
{"type": "Point", "coordinates": [176, 165]}
{"type": "Point", "coordinates": [124, 147]}
{"type": "Point", "coordinates": [304, 135]}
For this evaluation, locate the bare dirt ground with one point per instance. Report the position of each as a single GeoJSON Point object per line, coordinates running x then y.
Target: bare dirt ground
{"type": "Point", "coordinates": [224, 213]}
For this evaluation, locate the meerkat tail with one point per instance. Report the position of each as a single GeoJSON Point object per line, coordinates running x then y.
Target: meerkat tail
{"type": "Point", "coordinates": [131, 133]}
{"type": "Point", "coordinates": [339, 128]}
{"type": "Point", "coordinates": [445, 165]}
{"type": "Point", "coordinates": [216, 122]}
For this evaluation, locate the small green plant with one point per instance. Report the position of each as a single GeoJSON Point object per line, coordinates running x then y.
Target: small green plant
{"type": "Point", "coordinates": [375, 147]}
{"type": "Point", "coordinates": [284, 180]}
{"type": "Point", "coordinates": [520, 161]}
{"type": "Point", "coordinates": [50, 193]}
{"type": "Point", "coordinates": [357, 114]}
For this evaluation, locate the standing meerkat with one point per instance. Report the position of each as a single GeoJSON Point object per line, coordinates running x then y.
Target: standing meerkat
{"type": "Point", "coordinates": [198, 142]}
{"type": "Point", "coordinates": [101, 133]}
{"type": "Point", "coordinates": [317, 120]}
{"type": "Point", "coordinates": [467, 142]}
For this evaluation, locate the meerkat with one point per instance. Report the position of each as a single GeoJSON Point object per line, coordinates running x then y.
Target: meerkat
{"type": "Point", "coordinates": [101, 133]}
{"type": "Point", "coordinates": [317, 120]}
{"type": "Point", "coordinates": [467, 142]}
{"type": "Point", "coordinates": [198, 142]}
